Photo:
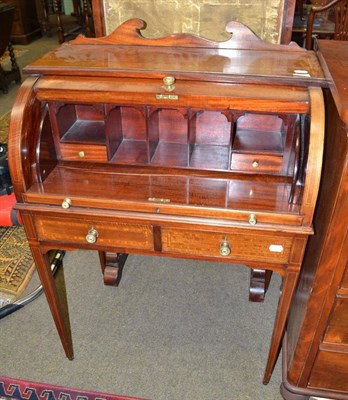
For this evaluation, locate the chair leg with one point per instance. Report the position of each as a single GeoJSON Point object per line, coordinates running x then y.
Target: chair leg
{"type": "Point", "coordinates": [7, 76]}
{"type": "Point", "coordinates": [60, 29]}
{"type": "Point", "coordinates": [86, 18]}
{"type": "Point", "coordinates": [45, 21]}
{"type": "Point", "coordinates": [3, 81]}
{"type": "Point", "coordinates": [15, 72]}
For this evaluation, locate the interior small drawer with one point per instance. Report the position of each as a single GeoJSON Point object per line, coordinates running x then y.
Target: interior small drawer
{"type": "Point", "coordinates": [256, 163]}
{"type": "Point", "coordinates": [89, 231]}
{"type": "Point", "coordinates": [83, 152]}
{"type": "Point", "coordinates": [243, 246]}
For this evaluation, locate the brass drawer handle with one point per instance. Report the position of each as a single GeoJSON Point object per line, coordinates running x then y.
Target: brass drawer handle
{"type": "Point", "coordinates": [169, 83]}
{"type": "Point", "coordinates": [66, 203]}
{"type": "Point", "coordinates": [252, 219]}
{"type": "Point", "coordinates": [225, 249]}
{"type": "Point", "coordinates": [255, 164]}
{"type": "Point", "coordinates": [92, 235]}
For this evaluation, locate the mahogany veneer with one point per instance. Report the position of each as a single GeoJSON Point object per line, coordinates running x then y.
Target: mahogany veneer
{"type": "Point", "coordinates": [178, 147]}
{"type": "Point", "coordinates": [315, 361]}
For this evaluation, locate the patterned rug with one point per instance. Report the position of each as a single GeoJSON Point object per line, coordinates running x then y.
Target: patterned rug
{"type": "Point", "coordinates": [5, 59]}
{"type": "Point", "coordinates": [16, 389]}
{"type": "Point", "coordinates": [4, 125]}
{"type": "Point", "coordinates": [16, 263]}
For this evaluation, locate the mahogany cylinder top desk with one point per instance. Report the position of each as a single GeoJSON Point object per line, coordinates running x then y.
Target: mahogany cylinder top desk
{"type": "Point", "coordinates": [176, 147]}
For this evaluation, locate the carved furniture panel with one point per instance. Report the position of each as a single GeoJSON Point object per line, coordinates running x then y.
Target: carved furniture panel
{"type": "Point", "coordinates": [271, 20]}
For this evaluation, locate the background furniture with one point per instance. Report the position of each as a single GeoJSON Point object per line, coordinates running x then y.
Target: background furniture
{"type": "Point", "coordinates": [322, 28]}
{"type": "Point", "coordinates": [26, 25]}
{"type": "Point", "coordinates": [44, 8]}
{"type": "Point", "coordinates": [272, 20]}
{"type": "Point", "coordinates": [7, 12]}
{"type": "Point", "coordinates": [315, 360]}
{"type": "Point", "coordinates": [339, 14]}
{"type": "Point", "coordinates": [299, 8]}
{"type": "Point", "coordinates": [323, 24]}
{"type": "Point", "coordinates": [82, 13]}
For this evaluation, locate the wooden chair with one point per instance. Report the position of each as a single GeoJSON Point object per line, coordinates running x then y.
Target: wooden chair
{"type": "Point", "coordinates": [340, 15]}
{"type": "Point", "coordinates": [6, 21]}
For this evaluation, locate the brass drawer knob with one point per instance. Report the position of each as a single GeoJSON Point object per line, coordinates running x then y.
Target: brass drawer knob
{"type": "Point", "coordinates": [169, 83]}
{"type": "Point", "coordinates": [252, 219]}
{"type": "Point", "coordinates": [225, 249]}
{"type": "Point", "coordinates": [92, 235]}
{"type": "Point", "coordinates": [66, 203]}
{"type": "Point", "coordinates": [255, 164]}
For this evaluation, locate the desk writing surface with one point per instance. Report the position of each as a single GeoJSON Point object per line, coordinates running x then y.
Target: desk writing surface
{"type": "Point", "coordinates": [125, 52]}
{"type": "Point", "coordinates": [112, 60]}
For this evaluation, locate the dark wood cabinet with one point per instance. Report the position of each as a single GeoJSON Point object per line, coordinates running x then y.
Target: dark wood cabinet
{"type": "Point", "coordinates": [175, 147]}
{"type": "Point", "coordinates": [315, 361]}
{"type": "Point", "coordinates": [26, 25]}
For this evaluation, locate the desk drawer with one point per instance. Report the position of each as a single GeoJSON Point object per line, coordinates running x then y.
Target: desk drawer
{"type": "Point", "coordinates": [256, 163]}
{"type": "Point", "coordinates": [109, 233]}
{"type": "Point", "coordinates": [83, 152]}
{"type": "Point", "coordinates": [243, 246]}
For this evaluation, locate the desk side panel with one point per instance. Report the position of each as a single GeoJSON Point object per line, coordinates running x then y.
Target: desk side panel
{"type": "Point", "coordinates": [320, 272]}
